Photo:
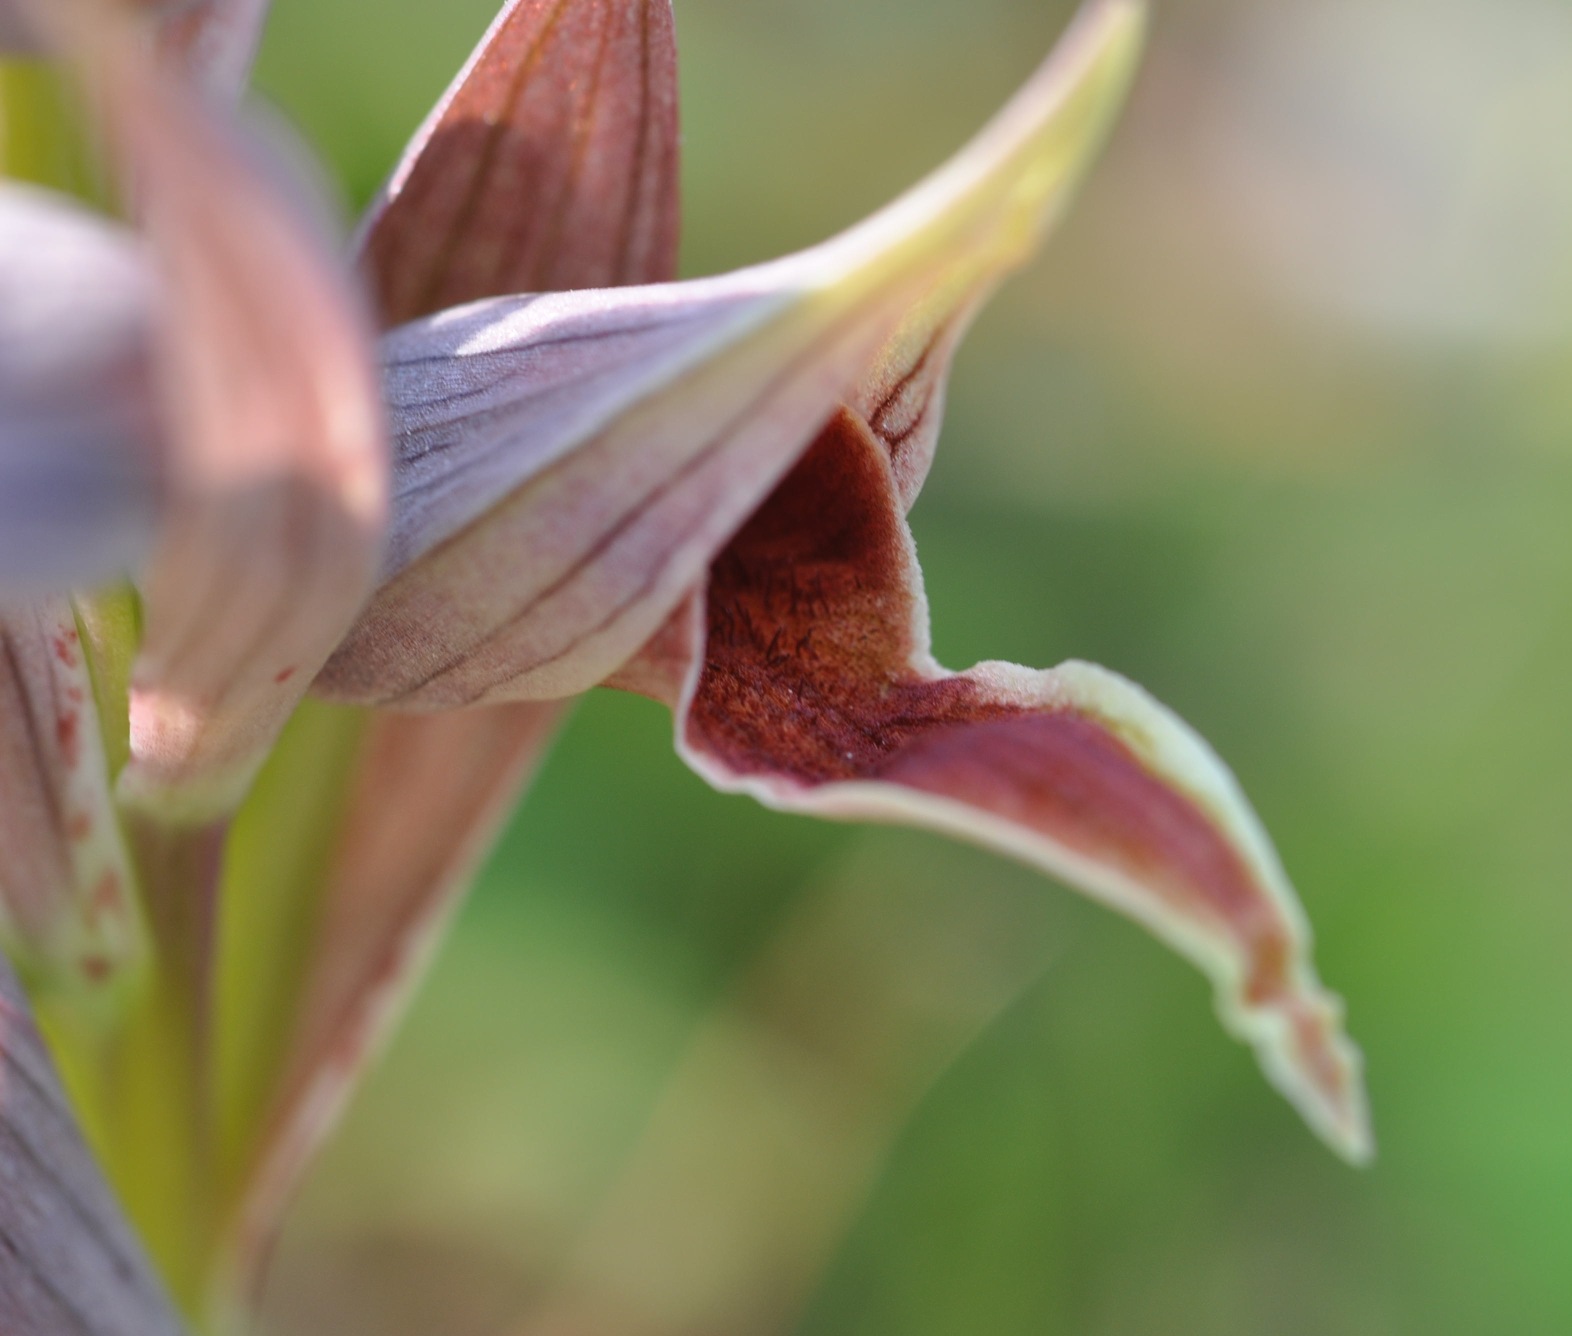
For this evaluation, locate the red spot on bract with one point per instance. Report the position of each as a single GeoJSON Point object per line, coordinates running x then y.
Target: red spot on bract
{"type": "Point", "coordinates": [95, 969]}
{"type": "Point", "coordinates": [283, 676]}
{"type": "Point", "coordinates": [105, 900]}
{"type": "Point", "coordinates": [69, 736]}
{"type": "Point", "coordinates": [65, 648]}
{"type": "Point", "coordinates": [79, 825]}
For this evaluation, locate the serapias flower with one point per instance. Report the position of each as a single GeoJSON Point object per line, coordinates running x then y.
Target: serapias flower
{"type": "Point", "coordinates": [696, 490]}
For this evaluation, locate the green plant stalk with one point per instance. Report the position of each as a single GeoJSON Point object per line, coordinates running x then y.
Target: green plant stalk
{"type": "Point", "coordinates": [43, 136]}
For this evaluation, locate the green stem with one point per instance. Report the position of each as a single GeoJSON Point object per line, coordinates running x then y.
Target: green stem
{"type": "Point", "coordinates": [163, 1152]}
{"type": "Point", "coordinates": [43, 137]}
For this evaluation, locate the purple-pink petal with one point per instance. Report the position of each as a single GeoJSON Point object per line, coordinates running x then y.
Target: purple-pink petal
{"type": "Point", "coordinates": [78, 459]}
{"type": "Point", "coordinates": [551, 163]}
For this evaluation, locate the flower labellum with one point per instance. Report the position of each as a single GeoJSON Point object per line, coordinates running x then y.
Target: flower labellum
{"type": "Point", "coordinates": [815, 692]}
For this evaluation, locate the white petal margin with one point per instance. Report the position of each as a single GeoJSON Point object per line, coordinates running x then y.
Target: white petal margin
{"type": "Point", "coordinates": [568, 466]}
{"type": "Point", "coordinates": [1296, 1031]}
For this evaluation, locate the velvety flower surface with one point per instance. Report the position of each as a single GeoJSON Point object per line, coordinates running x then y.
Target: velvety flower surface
{"type": "Point", "coordinates": [558, 468]}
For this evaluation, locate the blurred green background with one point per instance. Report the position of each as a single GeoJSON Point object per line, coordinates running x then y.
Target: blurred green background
{"type": "Point", "coordinates": [1281, 427]}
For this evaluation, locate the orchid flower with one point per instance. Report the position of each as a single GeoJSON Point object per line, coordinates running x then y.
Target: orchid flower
{"type": "Point", "coordinates": [576, 471]}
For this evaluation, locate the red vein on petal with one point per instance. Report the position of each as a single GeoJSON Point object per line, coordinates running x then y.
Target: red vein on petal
{"type": "Point", "coordinates": [540, 165]}
{"type": "Point", "coordinates": [581, 137]}
{"type": "Point", "coordinates": [630, 211]}
{"type": "Point", "coordinates": [462, 656]}
{"type": "Point", "coordinates": [485, 159]}
{"type": "Point", "coordinates": [936, 249]}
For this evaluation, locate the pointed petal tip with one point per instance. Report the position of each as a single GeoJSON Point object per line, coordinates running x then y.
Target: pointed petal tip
{"type": "Point", "coordinates": [1268, 992]}
{"type": "Point", "coordinates": [1307, 1056]}
{"type": "Point", "coordinates": [1101, 22]}
{"type": "Point", "coordinates": [993, 202]}
{"type": "Point", "coordinates": [571, 105]}
{"type": "Point", "coordinates": [1094, 59]}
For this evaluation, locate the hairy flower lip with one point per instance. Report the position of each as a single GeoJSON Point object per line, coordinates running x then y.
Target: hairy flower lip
{"type": "Point", "coordinates": [808, 682]}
